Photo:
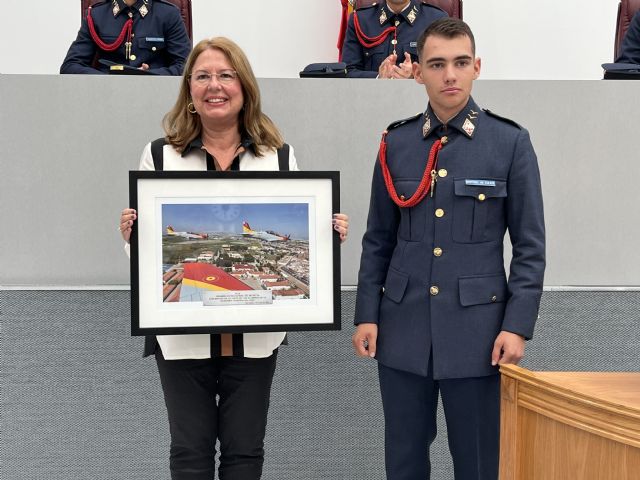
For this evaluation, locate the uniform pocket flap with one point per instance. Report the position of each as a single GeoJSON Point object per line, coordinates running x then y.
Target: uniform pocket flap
{"type": "Point", "coordinates": [395, 285]}
{"type": "Point", "coordinates": [472, 187]}
{"type": "Point", "coordinates": [151, 43]}
{"type": "Point", "coordinates": [478, 290]}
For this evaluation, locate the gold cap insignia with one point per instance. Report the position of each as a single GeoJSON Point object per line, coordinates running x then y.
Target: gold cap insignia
{"type": "Point", "coordinates": [468, 127]}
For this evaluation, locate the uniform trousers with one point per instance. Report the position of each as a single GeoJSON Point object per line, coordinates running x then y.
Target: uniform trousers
{"type": "Point", "coordinates": [224, 398]}
{"type": "Point", "coordinates": [472, 412]}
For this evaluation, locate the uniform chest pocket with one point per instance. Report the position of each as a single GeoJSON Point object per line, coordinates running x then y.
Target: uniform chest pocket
{"type": "Point", "coordinates": [412, 220]}
{"type": "Point", "coordinates": [479, 209]}
{"type": "Point", "coordinates": [410, 48]}
{"type": "Point", "coordinates": [154, 44]}
{"type": "Point", "coordinates": [373, 57]}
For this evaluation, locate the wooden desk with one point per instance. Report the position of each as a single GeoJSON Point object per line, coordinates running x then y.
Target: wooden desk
{"type": "Point", "coordinates": [569, 425]}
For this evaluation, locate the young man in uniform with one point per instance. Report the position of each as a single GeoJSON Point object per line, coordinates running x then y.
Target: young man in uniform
{"type": "Point", "coordinates": [381, 38]}
{"type": "Point", "coordinates": [434, 306]}
{"type": "Point", "coordinates": [145, 34]}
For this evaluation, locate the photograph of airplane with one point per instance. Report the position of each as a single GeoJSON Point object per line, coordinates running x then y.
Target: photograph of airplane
{"type": "Point", "coordinates": [267, 236]}
{"type": "Point", "coordinates": [187, 235]}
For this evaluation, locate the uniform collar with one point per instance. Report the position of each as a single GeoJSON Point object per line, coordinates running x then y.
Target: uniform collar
{"type": "Point", "coordinates": [246, 142]}
{"type": "Point", "coordinates": [143, 6]}
{"type": "Point", "coordinates": [466, 121]}
{"type": "Point", "coordinates": [410, 13]}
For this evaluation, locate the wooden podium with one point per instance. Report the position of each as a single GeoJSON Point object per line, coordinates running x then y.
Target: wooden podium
{"type": "Point", "coordinates": [569, 425]}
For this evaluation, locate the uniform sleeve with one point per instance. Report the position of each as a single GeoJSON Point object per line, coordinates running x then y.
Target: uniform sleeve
{"type": "Point", "coordinates": [353, 54]}
{"type": "Point", "coordinates": [630, 48]}
{"type": "Point", "coordinates": [81, 54]}
{"type": "Point", "coordinates": [525, 221]}
{"type": "Point", "coordinates": [378, 244]}
{"type": "Point", "coordinates": [177, 43]}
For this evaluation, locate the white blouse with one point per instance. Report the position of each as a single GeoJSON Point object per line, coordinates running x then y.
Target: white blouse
{"type": "Point", "coordinates": [180, 347]}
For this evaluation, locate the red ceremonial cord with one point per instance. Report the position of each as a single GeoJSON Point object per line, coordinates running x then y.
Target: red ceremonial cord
{"type": "Point", "coordinates": [109, 47]}
{"type": "Point", "coordinates": [343, 27]}
{"type": "Point", "coordinates": [425, 182]}
{"type": "Point", "coordinates": [369, 42]}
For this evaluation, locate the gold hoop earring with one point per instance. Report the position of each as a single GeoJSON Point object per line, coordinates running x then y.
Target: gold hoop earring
{"type": "Point", "coordinates": [190, 108]}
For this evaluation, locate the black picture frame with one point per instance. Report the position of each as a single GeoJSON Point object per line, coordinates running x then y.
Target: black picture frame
{"type": "Point", "coordinates": [294, 270]}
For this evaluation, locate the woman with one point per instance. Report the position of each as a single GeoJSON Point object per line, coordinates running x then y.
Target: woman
{"type": "Point", "coordinates": [217, 123]}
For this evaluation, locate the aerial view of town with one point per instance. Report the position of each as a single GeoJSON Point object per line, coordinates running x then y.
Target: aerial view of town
{"type": "Point", "coordinates": [209, 248]}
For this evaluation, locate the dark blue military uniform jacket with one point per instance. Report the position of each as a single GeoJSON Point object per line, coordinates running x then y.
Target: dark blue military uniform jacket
{"type": "Point", "coordinates": [432, 276]}
{"type": "Point", "coordinates": [160, 38]}
{"type": "Point", "coordinates": [630, 48]}
{"type": "Point", "coordinates": [365, 62]}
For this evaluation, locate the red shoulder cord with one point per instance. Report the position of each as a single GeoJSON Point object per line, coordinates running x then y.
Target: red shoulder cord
{"type": "Point", "coordinates": [343, 27]}
{"type": "Point", "coordinates": [110, 47]}
{"type": "Point", "coordinates": [369, 42]}
{"type": "Point", "coordinates": [426, 183]}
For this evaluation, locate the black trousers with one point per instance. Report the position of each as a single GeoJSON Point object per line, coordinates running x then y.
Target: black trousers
{"type": "Point", "coordinates": [472, 411]}
{"type": "Point", "coordinates": [224, 398]}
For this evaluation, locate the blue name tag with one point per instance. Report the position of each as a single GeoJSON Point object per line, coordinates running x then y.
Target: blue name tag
{"type": "Point", "coordinates": [154, 39]}
{"type": "Point", "coordinates": [480, 183]}
{"type": "Point", "coordinates": [413, 44]}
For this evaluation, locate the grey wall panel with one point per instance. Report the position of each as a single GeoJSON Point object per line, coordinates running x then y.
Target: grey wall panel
{"type": "Point", "coordinates": [78, 401]}
{"type": "Point", "coordinates": [68, 141]}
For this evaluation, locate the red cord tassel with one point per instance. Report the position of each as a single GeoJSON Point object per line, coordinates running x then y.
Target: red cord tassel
{"type": "Point", "coordinates": [425, 182]}
{"type": "Point", "coordinates": [369, 42]}
{"type": "Point", "coordinates": [109, 47]}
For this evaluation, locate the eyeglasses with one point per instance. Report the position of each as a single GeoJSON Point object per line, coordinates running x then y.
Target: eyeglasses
{"type": "Point", "coordinates": [203, 78]}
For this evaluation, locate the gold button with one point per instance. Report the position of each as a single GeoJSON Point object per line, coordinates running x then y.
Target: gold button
{"type": "Point", "coordinates": [444, 140]}
{"type": "Point", "coordinates": [382, 289]}
{"type": "Point", "coordinates": [442, 173]}
{"type": "Point", "coordinates": [434, 290]}
{"type": "Point", "coordinates": [397, 22]}
{"type": "Point", "coordinates": [153, 49]}
{"type": "Point", "coordinates": [437, 251]}
{"type": "Point", "coordinates": [394, 42]}
{"type": "Point", "coordinates": [439, 213]}
{"type": "Point", "coordinates": [132, 57]}
{"type": "Point", "coordinates": [401, 197]}
{"type": "Point", "coordinates": [482, 197]}
{"type": "Point", "coordinates": [494, 298]}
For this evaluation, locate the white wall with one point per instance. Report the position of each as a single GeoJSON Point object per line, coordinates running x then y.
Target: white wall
{"type": "Point", "coordinates": [519, 39]}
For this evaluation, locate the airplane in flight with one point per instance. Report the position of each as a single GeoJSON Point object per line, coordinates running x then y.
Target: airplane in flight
{"type": "Point", "coordinates": [267, 236]}
{"type": "Point", "coordinates": [188, 235]}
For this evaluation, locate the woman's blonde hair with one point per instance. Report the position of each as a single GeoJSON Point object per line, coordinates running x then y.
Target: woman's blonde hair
{"type": "Point", "coordinates": [181, 127]}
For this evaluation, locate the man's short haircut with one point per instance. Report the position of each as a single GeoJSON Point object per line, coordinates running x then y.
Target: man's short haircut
{"type": "Point", "coordinates": [448, 28]}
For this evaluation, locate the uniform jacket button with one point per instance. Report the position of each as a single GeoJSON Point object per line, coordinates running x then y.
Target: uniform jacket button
{"type": "Point", "coordinates": [434, 290]}
{"type": "Point", "coordinates": [439, 213]}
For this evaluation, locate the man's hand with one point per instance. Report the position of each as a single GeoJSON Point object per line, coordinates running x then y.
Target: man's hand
{"type": "Point", "coordinates": [364, 340]}
{"type": "Point", "coordinates": [144, 66]}
{"type": "Point", "coordinates": [508, 348]}
{"type": "Point", "coordinates": [386, 67]}
{"type": "Point", "coordinates": [404, 70]}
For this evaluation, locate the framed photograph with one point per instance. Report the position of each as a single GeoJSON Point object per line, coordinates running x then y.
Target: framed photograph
{"type": "Point", "coordinates": [215, 252]}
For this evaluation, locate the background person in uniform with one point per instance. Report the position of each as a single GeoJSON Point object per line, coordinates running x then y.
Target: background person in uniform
{"type": "Point", "coordinates": [145, 34]}
{"type": "Point", "coordinates": [217, 123]}
{"type": "Point", "coordinates": [434, 306]}
{"type": "Point", "coordinates": [630, 48]}
{"type": "Point", "coordinates": [381, 38]}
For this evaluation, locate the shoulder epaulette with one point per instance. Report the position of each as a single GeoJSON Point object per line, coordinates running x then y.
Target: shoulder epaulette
{"type": "Point", "coordinates": [429, 5]}
{"type": "Point", "coordinates": [504, 119]}
{"type": "Point", "coordinates": [398, 123]}
{"type": "Point", "coordinates": [364, 7]}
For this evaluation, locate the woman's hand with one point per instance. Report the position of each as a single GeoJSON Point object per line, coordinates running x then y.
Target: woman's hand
{"type": "Point", "coordinates": [127, 217]}
{"type": "Point", "coordinates": [341, 225]}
